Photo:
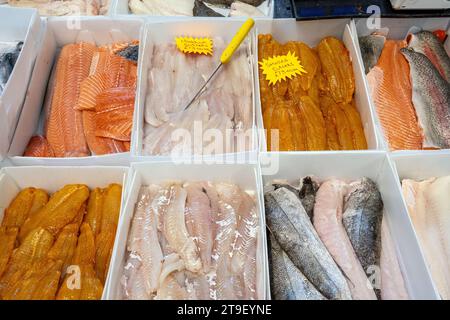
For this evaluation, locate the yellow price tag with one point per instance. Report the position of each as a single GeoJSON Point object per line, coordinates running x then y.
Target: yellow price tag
{"type": "Point", "coordinates": [195, 45]}
{"type": "Point", "coordinates": [279, 68]}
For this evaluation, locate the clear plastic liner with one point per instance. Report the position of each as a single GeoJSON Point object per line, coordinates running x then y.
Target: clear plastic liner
{"type": "Point", "coordinates": [194, 240]}
{"type": "Point", "coordinates": [218, 122]}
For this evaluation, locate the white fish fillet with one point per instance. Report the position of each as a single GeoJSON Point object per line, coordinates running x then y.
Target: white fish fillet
{"type": "Point", "coordinates": [176, 233]}
{"type": "Point", "coordinates": [328, 224]}
{"type": "Point", "coordinates": [425, 200]}
{"type": "Point", "coordinates": [241, 9]}
{"type": "Point", "coordinates": [162, 7]}
{"type": "Point", "coordinates": [392, 282]}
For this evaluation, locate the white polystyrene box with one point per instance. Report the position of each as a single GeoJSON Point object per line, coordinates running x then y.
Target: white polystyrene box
{"type": "Point", "coordinates": [120, 7]}
{"type": "Point", "coordinates": [51, 179]}
{"type": "Point", "coordinates": [17, 25]}
{"type": "Point", "coordinates": [377, 166]}
{"type": "Point", "coordinates": [311, 33]}
{"type": "Point", "coordinates": [397, 29]}
{"type": "Point", "coordinates": [161, 32]}
{"type": "Point", "coordinates": [59, 32]}
{"type": "Point", "coordinates": [246, 176]}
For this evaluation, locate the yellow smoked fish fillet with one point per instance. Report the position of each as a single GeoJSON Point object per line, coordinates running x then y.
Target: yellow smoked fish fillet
{"type": "Point", "coordinates": [94, 210]}
{"type": "Point", "coordinates": [35, 247]}
{"type": "Point", "coordinates": [78, 220]}
{"type": "Point", "coordinates": [40, 282]}
{"type": "Point", "coordinates": [265, 51]}
{"type": "Point", "coordinates": [310, 61]}
{"type": "Point", "coordinates": [40, 199]}
{"type": "Point", "coordinates": [344, 132]}
{"type": "Point", "coordinates": [65, 244]}
{"type": "Point", "coordinates": [85, 250]}
{"type": "Point", "coordinates": [89, 287]}
{"type": "Point", "coordinates": [111, 206]}
{"type": "Point", "coordinates": [337, 69]}
{"type": "Point", "coordinates": [62, 208]}
{"type": "Point", "coordinates": [8, 238]}
{"type": "Point", "coordinates": [19, 209]}
{"type": "Point", "coordinates": [104, 243]}
{"type": "Point", "coordinates": [64, 125]}
{"type": "Point", "coordinates": [354, 118]}
{"type": "Point", "coordinates": [312, 117]}
{"type": "Point", "coordinates": [326, 105]}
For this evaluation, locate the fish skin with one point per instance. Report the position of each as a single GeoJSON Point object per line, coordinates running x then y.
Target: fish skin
{"type": "Point", "coordinates": [431, 98]}
{"type": "Point", "coordinates": [371, 48]}
{"type": "Point", "coordinates": [289, 223]}
{"type": "Point", "coordinates": [429, 45]}
{"type": "Point", "coordinates": [8, 60]}
{"type": "Point", "coordinates": [202, 10]}
{"type": "Point", "coordinates": [307, 194]}
{"type": "Point", "coordinates": [287, 282]}
{"type": "Point", "coordinates": [363, 213]}
{"type": "Point", "coordinates": [328, 224]}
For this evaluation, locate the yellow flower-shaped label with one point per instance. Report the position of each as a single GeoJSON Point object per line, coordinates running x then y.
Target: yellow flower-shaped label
{"type": "Point", "coordinates": [279, 68]}
{"type": "Point", "coordinates": [195, 45]}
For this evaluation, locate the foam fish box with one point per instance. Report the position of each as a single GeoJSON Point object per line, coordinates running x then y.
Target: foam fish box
{"type": "Point", "coordinates": [51, 179]}
{"type": "Point", "coordinates": [59, 32]}
{"type": "Point", "coordinates": [17, 25]}
{"type": "Point", "coordinates": [377, 166]}
{"type": "Point", "coordinates": [119, 7]}
{"type": "Point", "coordinates": [398, 30]}
{"type": "Point", "coordinates": [246, 176]}
{"type": "Point", "coordinates": [311, 33]}
{"type": "Point", "coordinates": [165, 32]}
{"type": "Point", "coordinates": [421, 166]}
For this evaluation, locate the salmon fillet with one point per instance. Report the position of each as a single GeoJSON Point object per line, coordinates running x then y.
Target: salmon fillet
{"type": "Point", "coordinates": [65, 127]}
{"type": "Point", "coordinates": [392, 93]}
{"type": "Point", "coordinates": [39, 147]}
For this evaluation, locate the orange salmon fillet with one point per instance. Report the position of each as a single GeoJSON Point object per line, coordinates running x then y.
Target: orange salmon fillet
{"type": "Point", "coordinates": [38, 147]}
{"type": "Point", "coordinates": [65, 127]}
{"type": "Point", "coordinates": [392, 93]}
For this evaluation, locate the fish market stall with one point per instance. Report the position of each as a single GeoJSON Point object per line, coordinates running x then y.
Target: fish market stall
{"type": "Point", "coordinates": [184, 256]}
{"type": "Point", "coordinates": [425, 183]}
{"type": "Point", "coordinates": [19, 40]}
{"type": "Point", "coordinates": [195, 8]}
{"type": "Point", "coordinates": [328, 187]}
{"type": "Point", "coordinates": [405, 61]}
{"type": "Point", "coordinates": [55, 229]}
{"type": "Point", "coordinates": [77, 121]}
{"type": "Point", "coordinates": [325, 107]}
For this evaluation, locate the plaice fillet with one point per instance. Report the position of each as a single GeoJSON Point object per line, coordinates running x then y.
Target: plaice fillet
{"type": "Point", "coordinates": [427, 203]}
{"type": "Point", "coordinates": [328, 212]}
{"type": "Point", "coordinates": [392, 94]}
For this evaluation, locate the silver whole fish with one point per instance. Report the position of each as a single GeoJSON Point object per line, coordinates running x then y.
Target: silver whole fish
{"type": "Point", "coordinates": [292, 228]}
{"type": "Point", "coordinates": [431, 99]}
{"type": "Point", "coordinates": [363, 213]}
{"type": "Point", "coordinates": [287, 282]}
{"type": "Point", "coordinates": [371, 48]}
{"type": "Point", "coordinates": [429, 45]}
{"type": "Point", "coordinates": [202, 10]}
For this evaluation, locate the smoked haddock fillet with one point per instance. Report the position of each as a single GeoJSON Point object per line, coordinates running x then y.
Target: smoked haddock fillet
{"type": "Point", "coordinates": [392, 93]}
{"type": "Point", "coordinates": [65, 126]}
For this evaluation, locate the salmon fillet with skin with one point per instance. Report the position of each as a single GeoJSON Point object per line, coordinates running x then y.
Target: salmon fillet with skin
{"type": "Point", "coordinates": [38, 147]}
{"type": "Point", "coordinates": [65, 127]}
{"type": "Point", "coordinates": [392, 94]}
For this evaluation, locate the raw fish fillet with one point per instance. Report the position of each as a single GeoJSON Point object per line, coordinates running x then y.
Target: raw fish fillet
{"type": "Point", "coordinates": [428, 205]}
{"type": "Point", "coordinates": [64, 126]}
{"type": "Point", "coordinates": [242, 9]}
{"type": "Point", "coordinates": [38, 147]}
{"type": "Point", "coordinates": [337, 69]}
{"type": "Point", "coordinates": [19, 209]}
{"type": "Point", "coordinates": [62, 208]}
{"type": "Point", "coordinates": [162, 7]}
{"type": "Point", "coordinates": [328, 224]}
{"type": "Point", "coordinates": [392, 94]}
{"type": "Point", "coordinates": [431, 98]}
{"type": "Point", "coordinates": [393, 285]}
{"type": "Point", "coordinates": [371, 48]}
{"type": "Point", "coordinates": [8, 237]}
{"type": "Point", "coordinates": [176, 233]}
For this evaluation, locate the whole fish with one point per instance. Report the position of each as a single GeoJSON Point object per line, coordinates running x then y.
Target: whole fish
{"type": "Point", "coordinates": [287, 282]}
{"type": "Point", "coordinates": [291, 227]}
{"type": "Point", "coordinates": [363, 212]}
{"type": "Point", "coordinates": [428, 44]}
{"type": "Point", "coordinates": [371, 48]}
{"type": "Point", "coordinates": [431, 98]}
{"type": "Point", "coordinates": [8, 58]}
{"type": "Point", "coordinates": [202, 10]}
